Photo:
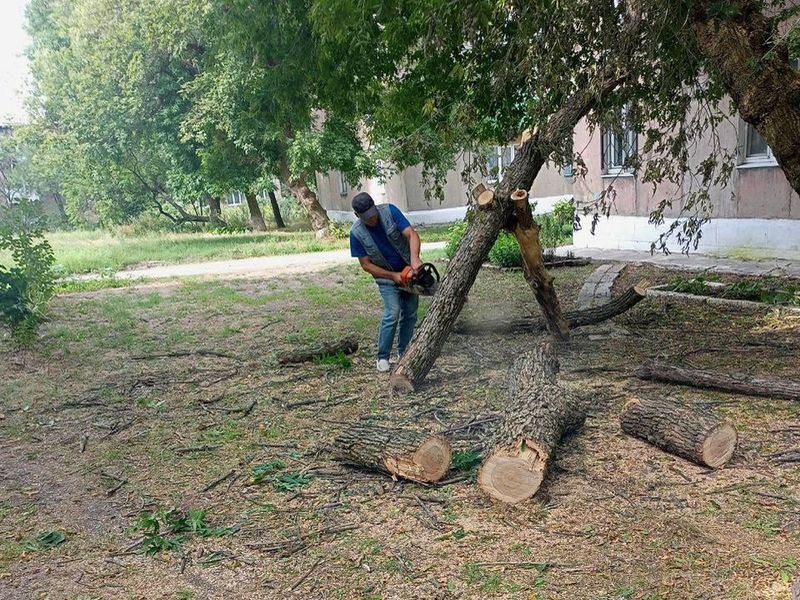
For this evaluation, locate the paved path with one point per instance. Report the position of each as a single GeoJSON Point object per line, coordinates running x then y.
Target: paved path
{"type": "Point", "coordinates": [272, 266]}
{"type": "Point", "coordinates": [262, 266]}
{"type": "Point", "coordinates": [597, 287]}
{"type": "Point", "coordinates": [693, 262]}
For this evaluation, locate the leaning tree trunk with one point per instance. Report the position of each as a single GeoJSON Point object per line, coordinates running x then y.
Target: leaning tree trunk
{"type": "Point", "coordinates": [215, 212]}
{"type": "Point", "coordinates": [405, 453]}
{"type": "Point", "coordinates": [276, 210]}
{"type": "Point", "coordinates": [752, 59]}
{"type": "Point", "coordinates": [688, 432]}
{"type": "Point", "coordinates": [307, 199]}
{"type": "Point", "coordinates": [538, 413]}
{"type": "Point", "coordinates": [256, 218]}
{"type": "Point", "coordinates": [481, 233]}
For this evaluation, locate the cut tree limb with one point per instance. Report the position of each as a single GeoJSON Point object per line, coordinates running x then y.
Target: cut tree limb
{"type": "Point", "coordinates": [689, 432]}
{"type": "Point", "coordinates": [404, 453]}
{"type": "Point", "coordinates": [734, 383]}
{"type": "Point", "coordinates": [483, 196]}
{"type": "Point", "coordinates": [482, 232]}
{"type": "Point", "coordinates": [347, 345]}
{"type": "Point", "coordinates": [527, 233]}
{"type": "Point", "coordinates": [539, 412]}
{"type": "Point", "coordinates": [576, 318]}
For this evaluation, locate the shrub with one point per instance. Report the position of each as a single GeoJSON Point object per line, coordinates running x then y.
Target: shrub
{"type": "Point", "coordinates": [339, 231]}
{"type": "Point", "coordinates": [27, 286]}
{"type": "Point", "coordinates": [505, 252]}
{"type": "Point", "coordinates": [454, 234]}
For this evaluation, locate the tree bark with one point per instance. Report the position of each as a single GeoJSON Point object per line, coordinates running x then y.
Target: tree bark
{"type": "Point", "coordinates": [539, 412]}
{"type": "Point", "coordinates": [276, 210]}
{"type": "Point", "coordinates": [256, 218]}
{"type": "Point", "coordinates": [575, 318]}
{"type": "Point", "coordinates": [215, 212]}
{"type": "Point", "coordinates": [691, 433]}
{"type": "Point", "coordinates": [307, 199]}
{"type": "Point", "coordinates": [753, 61]}
{"type": "Point", "coordinates": [735, 383]}
{"type": "Point", "coordinates": [527, 233]}
{"type": "Point", "coordinates": [404, 453]}
{"type": "Point", "coordinates": [481, 232]}
{"type": "Point", "coordinates": [347, 345]}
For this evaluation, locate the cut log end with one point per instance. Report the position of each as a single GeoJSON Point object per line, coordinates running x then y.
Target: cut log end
{"type": "Point", "coordinates": [427, 464]}
{"type": "Point", "coordinates": [683, 430]}
{"type": "Point", "coordinates": [512, 476]}
{"type": "Point", "coordinates": [720, 445]}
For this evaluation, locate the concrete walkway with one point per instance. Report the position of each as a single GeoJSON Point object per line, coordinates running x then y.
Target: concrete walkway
{"type": "Point", "coordinates": [262, 266]}
{"type": "Point", "coordinates": [693, 262]}
{"type": "Point", "coordinates": [273, 266]}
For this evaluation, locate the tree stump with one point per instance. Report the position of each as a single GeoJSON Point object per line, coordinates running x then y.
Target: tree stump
{"type": "Point", "coordinates": [539, 413]}
{"type": "Point", "coordinates": [403, 453]}
{"type": "Point", "coordinates": [688, 432]}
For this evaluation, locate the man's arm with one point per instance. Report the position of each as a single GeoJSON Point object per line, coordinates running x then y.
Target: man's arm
{"type": "Point", "coordinates": [414, 244]}
{"type": "Point", "coordinates": [376, 271]}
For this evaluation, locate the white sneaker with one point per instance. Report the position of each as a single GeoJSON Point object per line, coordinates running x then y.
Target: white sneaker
{"type": "Point", "coordinates": [383, 366]}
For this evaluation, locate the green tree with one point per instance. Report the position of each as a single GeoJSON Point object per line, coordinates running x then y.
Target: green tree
{"type": "Point", "coordinates": [260, 90]}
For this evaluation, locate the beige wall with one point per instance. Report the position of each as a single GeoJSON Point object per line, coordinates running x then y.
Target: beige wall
{"type": "Point", "coordinates": [752, 192]}
{"type": "Point", "coordinates": [406, 189]}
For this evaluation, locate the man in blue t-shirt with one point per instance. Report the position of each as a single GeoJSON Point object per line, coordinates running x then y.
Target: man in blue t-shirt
{"type": "Point", "coordinates": [384, 243]}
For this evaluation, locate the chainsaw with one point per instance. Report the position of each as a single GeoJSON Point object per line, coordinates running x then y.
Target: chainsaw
{"type": "Point", "coordinates": [423, 282]}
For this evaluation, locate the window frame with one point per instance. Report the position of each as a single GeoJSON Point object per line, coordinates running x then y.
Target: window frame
{"type": "Point", "coordinates": [497, 153]}
{"type": "Point", "coordinates": [344, 185]}
{"type": "Point", "coordinates": [235, 198]}
{"type": "Point", "coordinates": [629, 147]}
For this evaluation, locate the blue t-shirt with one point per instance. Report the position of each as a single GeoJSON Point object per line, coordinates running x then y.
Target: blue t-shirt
{"type": "Point", "coordinates": [396, 262]}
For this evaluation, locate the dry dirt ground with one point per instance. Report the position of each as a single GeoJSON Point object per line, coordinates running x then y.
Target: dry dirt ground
{"type": "Point", "coordinates": [137, 402]}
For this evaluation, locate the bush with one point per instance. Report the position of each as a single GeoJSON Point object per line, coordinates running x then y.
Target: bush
{"type": "Point", "coordinates": [339, 231]}
{"type": "Point", "coordinates": [454, 234]}
{"type": "Point", "coordinates": [27, 286]}
{"type": "Point", "coordinates": [505, 252]}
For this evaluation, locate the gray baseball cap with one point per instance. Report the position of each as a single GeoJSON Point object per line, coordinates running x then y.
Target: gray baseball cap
{"type": "Point", "coordinates": [364, 206]}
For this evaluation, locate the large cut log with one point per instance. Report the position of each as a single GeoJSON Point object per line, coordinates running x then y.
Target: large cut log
{"type": "Point", "coordinates": [538, 414]}
{"type": "Point", "coordinates": [347, 345]}
{"type": "Point", "coordinates": [404, 453]}
{"type": "Point", "coordinates": [481, 233]}
{"type": "Point", "coordinates": [575, 318]}
{"type": "Point", "coordinates": [737, 383]}
{"type": "Point", "coordinates": [691, 433]}
{"type": "Point", "coordinates": [527, 233]}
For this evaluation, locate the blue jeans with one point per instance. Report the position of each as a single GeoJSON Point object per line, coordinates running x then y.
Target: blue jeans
{"type": "Point", "coordinates": [399, 307]}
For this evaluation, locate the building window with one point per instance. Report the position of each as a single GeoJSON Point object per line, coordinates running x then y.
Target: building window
{"type": "Point", "coordinates": [234, 199]}
{"type": "Point", "coordinates": [756, 149]}
{"type": "Point", "coordinates": [497, 161]}
{"type": "Point", "coordinates": [344, 187]}
{"type": "Point", "coordinates": [618, 148]}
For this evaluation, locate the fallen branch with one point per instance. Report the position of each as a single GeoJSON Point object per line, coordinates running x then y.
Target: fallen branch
{"type": "Point", "coordinates": [347, 345]}
{"type": "Point", "coordinates": [734, 383]}
{"type": "Point", "coordinates": [576, 318]}
{"type": "Point", "coordinates": [216, 482]}
{"type": "Point", "coordinates": [183, 353]}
